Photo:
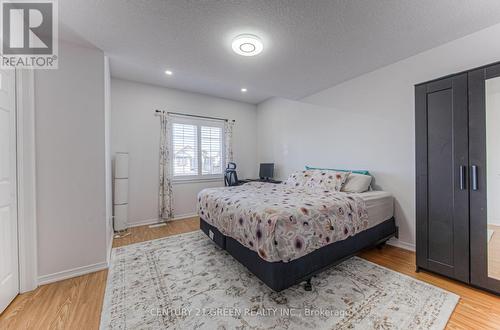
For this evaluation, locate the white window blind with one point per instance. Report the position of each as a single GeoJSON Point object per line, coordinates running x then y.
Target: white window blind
{"type": "Point", "coordinates": [185, 149]}
{"type": "Point", "coordinates": [197, 147]}
{"type": "Point", "coordinates": [211, 150]}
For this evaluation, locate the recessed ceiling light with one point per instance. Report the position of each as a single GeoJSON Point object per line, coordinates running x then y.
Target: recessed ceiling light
{"type": "Point", "coordinates": [169, 73]}
{"type": "Point", "coordinates": [247, 45]}
{"type": "Point", "coordinates": [243, 90]}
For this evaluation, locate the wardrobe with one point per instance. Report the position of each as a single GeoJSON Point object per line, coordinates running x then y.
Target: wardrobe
{"type": "Point", "coordinates": [457, 125]}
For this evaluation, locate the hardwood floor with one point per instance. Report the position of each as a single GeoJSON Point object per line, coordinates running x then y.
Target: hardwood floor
{"type": "Point", "coordinates": [144, 233]}
{"type": "Point", "coordinates": [476, 309]}
{"type": "Point", "coordinates": [76, 303]}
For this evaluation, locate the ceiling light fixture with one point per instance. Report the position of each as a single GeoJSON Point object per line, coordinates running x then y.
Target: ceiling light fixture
{"type": "Point", "coordinates": [247, 45]}
{"type": "Point", "coordinates": [243, 90]}
{"type": "Point", "coordinates": [169, 73]}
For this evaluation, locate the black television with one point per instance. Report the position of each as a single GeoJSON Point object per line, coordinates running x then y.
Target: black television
{"type": "Point", "coordinates": [266, 171]}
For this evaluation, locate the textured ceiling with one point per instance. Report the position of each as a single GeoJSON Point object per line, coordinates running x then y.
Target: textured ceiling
{"type": "Point", "coordinates": [310, 45]}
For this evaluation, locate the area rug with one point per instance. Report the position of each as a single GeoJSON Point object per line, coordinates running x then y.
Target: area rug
{"type": "Point", "coordinates": [187, 282]}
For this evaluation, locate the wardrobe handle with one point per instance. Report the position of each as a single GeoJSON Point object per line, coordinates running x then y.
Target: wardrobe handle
{"type": "Point", "coordinates": [474, 177]}
{"type": "Point", "coordinates": [462, 177]}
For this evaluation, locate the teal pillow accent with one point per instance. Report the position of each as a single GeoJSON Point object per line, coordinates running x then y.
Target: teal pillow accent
{"type": "Point", "coordinates": [364, 172]}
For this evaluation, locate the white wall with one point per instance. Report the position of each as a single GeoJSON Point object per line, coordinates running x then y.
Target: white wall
{"type": "Point", "coordinates": [136, 130]}
{"type": "Point", "coordinates": [368, 122]}
{"type": "Point", "coordinates": [70, 158]}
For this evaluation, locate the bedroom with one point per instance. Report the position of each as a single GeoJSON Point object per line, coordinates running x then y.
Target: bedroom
{"type": "Point", "coordinates": [109, 195]}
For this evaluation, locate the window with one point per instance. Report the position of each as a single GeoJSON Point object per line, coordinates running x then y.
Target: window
{"type": "Point", "coordinates": [197, 148]}
{"type": "Point", "coordinates": [185, 149]}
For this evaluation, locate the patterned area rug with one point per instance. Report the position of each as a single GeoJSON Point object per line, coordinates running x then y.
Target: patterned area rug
{"type": "Point", "coordinates": [187, 282]}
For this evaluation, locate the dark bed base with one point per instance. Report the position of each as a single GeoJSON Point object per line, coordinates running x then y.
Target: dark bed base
{"type": "Point", "coordinates": [281, 275]}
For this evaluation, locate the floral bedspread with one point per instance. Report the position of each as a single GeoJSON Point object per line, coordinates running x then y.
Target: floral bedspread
{"type": "Point", "coordinates": [282, 223]}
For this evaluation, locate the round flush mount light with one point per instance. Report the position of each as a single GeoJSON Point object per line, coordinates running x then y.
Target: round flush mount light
{"type": "Point", "coordinates": [247, 45]}
{"type": "Point", "coordinates": [169, 73]}
{"type": "Point", "coordinates": [243, 90]}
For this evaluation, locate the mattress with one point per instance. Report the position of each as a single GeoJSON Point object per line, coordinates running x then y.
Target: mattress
{"type": "Point", "coordinates": [283, 223]}
{"type": "Point", "coordinates": [380, 206]}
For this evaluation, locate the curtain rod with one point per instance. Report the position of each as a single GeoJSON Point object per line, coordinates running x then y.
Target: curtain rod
{"type": "Point", "coordinates": [188, 115]}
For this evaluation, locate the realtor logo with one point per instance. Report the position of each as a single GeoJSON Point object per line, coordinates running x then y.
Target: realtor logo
{"type": "Point", "coordinates": [29, 34]}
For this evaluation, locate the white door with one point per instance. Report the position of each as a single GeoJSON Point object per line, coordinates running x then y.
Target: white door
{"type": "Point", "coordinates": [9, 271]}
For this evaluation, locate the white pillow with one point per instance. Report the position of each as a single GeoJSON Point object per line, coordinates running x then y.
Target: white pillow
{"type": "Point", "coordinates": [357, 183]}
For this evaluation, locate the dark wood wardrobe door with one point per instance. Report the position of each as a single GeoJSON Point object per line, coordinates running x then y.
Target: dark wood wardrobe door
{"type": "Point", "coordinates": [441, 161]}
{"type": "Point", "coordinates": [481, 275]}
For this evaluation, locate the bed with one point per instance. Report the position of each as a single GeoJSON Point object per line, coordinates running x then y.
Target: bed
{"type": "Point", "coordinates": [286, 233]}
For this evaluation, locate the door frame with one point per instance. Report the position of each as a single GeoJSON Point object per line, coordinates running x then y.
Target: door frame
{"type": "Point", "coordinates": [26, 180]}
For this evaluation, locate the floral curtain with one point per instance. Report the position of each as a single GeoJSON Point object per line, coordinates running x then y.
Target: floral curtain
{"type": "Point", "coordinates": [228, 140]}
{"type": "Point", "coordinates": [165, 210]}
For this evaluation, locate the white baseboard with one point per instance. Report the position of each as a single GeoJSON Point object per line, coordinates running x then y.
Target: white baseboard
{"type": "Point", "coordinates": [185, 216]}
{"type": "Point", "coordinates": [495, 222]}
{"type": "Point", "coordinates": [154, 221]}
{"type": "Point", "coordinates": [142, 223]}
{"type": "Point", "coordinates": [401, 244]}
{"type": "Point", "coordinates": [65, 274]}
